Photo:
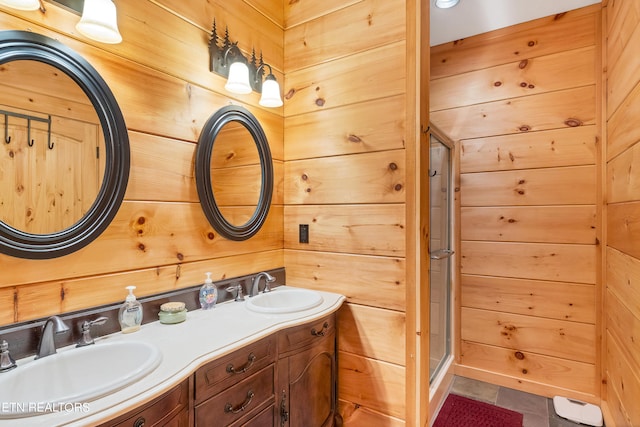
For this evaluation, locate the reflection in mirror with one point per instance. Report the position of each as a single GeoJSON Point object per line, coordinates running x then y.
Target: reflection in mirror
{"type": "Point", "coordinates": [235, 172]}
{"type": "Point", "coordinates": [51, 166]}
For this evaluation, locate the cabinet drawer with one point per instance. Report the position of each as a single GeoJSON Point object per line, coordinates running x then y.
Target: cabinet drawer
{"type": "Point", "coordinates": [301, 336]}
{"type": "Point", "coordinates": [265, 418]}
{"type": "Point", "coordinates": [161, 412]}
{"type": "Point", "coordinates": [249, 396]}
{"type": "Point", "coordinates": [218, 375]}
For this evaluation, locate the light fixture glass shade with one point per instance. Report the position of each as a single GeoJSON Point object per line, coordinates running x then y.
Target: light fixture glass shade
{"type": "Point", "coordinates": [21, 4]}
{"type": "Point", "coordinates": [446, 4]}
{"type": "Point", "coordinates": [99, 21]}
{"type": "Point", "coordinates": [270, 92]}
{"type": "Point", "coordinates": [238, 80]}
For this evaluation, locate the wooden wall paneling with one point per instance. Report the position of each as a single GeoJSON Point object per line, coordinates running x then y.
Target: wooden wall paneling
{"type": "Point", "coordinates": [625, 383]}
{"type": "Point", "coordinates": [272, 9]}
{"type": "Point", "coordinates": [362, 178]}
{"type": "Point", "coordinates": [623, 227]}
{"type": "Point", "coordinates": [522, 77]}
{"type": "Point", "coordinates": [552, 186]}
{"type": "Point", "coordinates": [529, 150]}
{"type": "Point", "coordinates": [376, 125]}
{"type": "Point", "coordinates": [61, 296]}
{"type": "Point", "coordinates": [300, 11]}
{"type": "Point", "coordinates": [551, 110]}
{"type": "Point", "coordinates": [541, 224]}
{"type": "Point", "coordinates": [372, 332]}
{"type": "Point", "coordinates": [358, 229]}
{"type": "Point", "coordinates": [555, 262]}
{"type": "Point", "coordinates": [545, 36]}
{"type": "Point", "coordinates": [563, 339]}
{"type": "Point", "coordinates": [623, 278]}
{"type": "Point", "coordinates": [372, 384]}
{"type": "Point", "coordinates": [623, 183]}
{"type": "Point", "coordinates": [622, 129]}
{"type": "Point", "coordinates": [380, 280]}
{"type": "Point", "coordinates": [570, 375]}
{"type": "Point", "coordinates": [355, 415]}
{"type": "Point", "coordinates": [622, 19]}
{"type": "Point", "coordinates": [347, 80]}
{"type": "Point", "coordinates": [624, 326]}
{"type": "Point", "coordinates": [7, 299]}
{"type": "Point", "coordinates": [553, 300]}
{"type": "Point", "coordinates": [344, 32]}
{"type": "Point", "coordinates": [145, 235]}
{"type": "Point", "coordinates": [624, 74]}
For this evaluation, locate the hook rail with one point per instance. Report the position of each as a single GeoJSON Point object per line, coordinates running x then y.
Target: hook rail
{"type": "Point", "coordinates": [29, 119]}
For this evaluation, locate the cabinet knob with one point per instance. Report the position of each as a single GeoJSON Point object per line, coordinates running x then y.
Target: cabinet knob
{"type": "Point", "coordinates": [139, 422]}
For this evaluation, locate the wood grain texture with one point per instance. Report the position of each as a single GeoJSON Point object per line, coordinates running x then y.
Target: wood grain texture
{"type": "Point", "coordinates": [357, 229]}
{"type": "Point", "coordinates": [623, 227]}
{"type": "Point", "coordinates": [623, 178]}
{"type": "Point", "coordinates": [380, 281]}
{"type": "Point", "coordinates": [558, 338]}
{"type": "Point", "coordinates": [297, 12]}
{"type": "Point", "coordinates": [553, 300]}
{"type": "Point", "coordinates": [355, 415]}
{"type": "Point", "coordinates": [624, 326]}
{"type": "Point", "coordinates": [362, 178]}
{"type": "Point", "coordinates": [552, 186]}
{"type": "Point", "coordinates": [623, 278]}
{"type": "Point", "coordinates": [530, 366]}
{"type": "Point", "coordinates": [556, 262]}
{"type": "Point", "coordinates": [372, 332]}
{"type": "Point", "coordinates": [553, 148]}
{"type": "Point", "coordinates": [624, 382]}
{"type": "Point", "coordinates": [356, 28]}
{"type": "Point", "coordinates": [622, 131]}
{"type": "Point", "coordinates": [372, 384]}
{"type": "Point", "coordinates": [549, 110]}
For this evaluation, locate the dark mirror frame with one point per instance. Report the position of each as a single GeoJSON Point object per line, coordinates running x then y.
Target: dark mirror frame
{"type": "Point", "coordinates": [23, 45]}
{"type": "Point", "coordinates": [232, 113]}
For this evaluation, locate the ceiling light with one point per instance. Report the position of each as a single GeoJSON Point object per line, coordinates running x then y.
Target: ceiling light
{"type": "Point", "coordinates": [446, 4]}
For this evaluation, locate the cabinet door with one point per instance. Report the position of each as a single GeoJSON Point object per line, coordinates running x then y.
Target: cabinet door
{"type": "Point", "coordinates": [307, 385]}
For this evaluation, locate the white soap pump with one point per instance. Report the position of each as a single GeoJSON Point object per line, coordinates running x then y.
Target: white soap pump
{"type": "Point", "coordinates": [130, 314]}
{"type": "Point", "coordinates": [208, 294]}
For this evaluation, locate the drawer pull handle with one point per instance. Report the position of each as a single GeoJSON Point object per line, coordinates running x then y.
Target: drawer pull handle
{"type": "Point", "coordinates": [322, 331]}
{"type": "Point", "coordinates": [140, 422]}
{"type": "Point", "coordinates": [229, 407]}
{"type": "Point", "coordinates": [245, 368]}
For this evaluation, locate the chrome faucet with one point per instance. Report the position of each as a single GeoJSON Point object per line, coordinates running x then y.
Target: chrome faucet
{"type": "Point", "coordinates": [255, 285]}
{"type": "Point", "coordinates": [47, 345]}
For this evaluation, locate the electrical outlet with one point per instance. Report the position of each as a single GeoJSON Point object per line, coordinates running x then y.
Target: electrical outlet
{"type": "Point", "coordinates": [304, 233]}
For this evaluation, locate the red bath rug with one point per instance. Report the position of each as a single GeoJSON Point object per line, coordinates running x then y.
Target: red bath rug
{"type": "Point", "coordinates": [459, 411]}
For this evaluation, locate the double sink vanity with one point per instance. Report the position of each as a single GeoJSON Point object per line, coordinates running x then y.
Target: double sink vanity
{"type": "Point", "coordinates": [266, 361]}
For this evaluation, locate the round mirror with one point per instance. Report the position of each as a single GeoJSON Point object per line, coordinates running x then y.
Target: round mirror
{"type": "Point", "coordinates": [64, 149]}
{"type": "Point", "coordinates": [234, 173]}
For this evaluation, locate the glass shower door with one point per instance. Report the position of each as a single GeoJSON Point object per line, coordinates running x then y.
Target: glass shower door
{"type": "Point", "coordinates": [440, 255]}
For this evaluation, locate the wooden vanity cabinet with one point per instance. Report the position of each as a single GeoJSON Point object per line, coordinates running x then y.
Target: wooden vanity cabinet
{"type": "Point", "coordinates": [307, 375]}
{"type": "Point", "coordinates": [169, 410]}
{"type": "Point", "coordinates": [238, 389]}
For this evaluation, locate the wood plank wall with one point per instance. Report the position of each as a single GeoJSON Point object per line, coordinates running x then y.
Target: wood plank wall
{"type": "Point", "coordinates": [521, 102]}
{"type": "Point", "coordinates": [622, 296]}
{"type": "Point", "coordinates": [345, 176]}
{"type": "Point", "coordinates": [160, 239]}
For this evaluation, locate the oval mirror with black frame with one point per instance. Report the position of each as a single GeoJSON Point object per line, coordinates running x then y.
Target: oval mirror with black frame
{"type": "Point", "coordinates": [234, 173]}
{"type": "Point", "coordinates": [64, 149]}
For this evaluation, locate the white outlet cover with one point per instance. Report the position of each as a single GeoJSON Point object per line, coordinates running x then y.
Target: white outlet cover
{"type": "Point", "coordinates": [578, 411]}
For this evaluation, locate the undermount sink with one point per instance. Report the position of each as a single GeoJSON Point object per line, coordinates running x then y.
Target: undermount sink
{"type": "Point", "coordinates": [74, 376]}
{"type": "Point", "coordinates": [284, 300]}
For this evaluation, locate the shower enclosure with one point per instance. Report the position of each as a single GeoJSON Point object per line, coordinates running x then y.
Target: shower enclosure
{"type": "Point", "coordinates": [440, 253]}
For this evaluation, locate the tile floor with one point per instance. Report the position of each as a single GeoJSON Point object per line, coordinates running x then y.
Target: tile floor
{"type": "Point", "coordinates": [537, 410]}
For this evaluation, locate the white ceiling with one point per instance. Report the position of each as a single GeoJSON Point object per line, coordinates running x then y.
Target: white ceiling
{"type": "Point", "coordinates": [471, 17]}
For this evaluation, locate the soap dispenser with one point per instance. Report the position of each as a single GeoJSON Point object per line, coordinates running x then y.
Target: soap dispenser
{"type": "Point", "coordinates": [208, 293]}
{"type": "Point", "coordinates": [130, 315]}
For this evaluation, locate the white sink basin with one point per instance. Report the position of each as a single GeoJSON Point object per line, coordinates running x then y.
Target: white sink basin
{"type": "Point", "coordinates": [74, 376]}
{"type": "Point", "coordinates": [284, 300]}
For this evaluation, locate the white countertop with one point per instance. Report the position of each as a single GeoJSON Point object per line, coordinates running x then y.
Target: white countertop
{"type": "Point", "coordinates": [204, 336]}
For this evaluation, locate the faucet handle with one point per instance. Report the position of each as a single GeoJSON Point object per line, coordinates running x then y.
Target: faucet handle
{"type": "Point", "coordinates": [6, 361]}
{"type": "Point", "coordinates": [86, 338]}
{"type": "Point", "coordinates": [236, 292]}
{"type": "Point", "coordinates": [267, 283]}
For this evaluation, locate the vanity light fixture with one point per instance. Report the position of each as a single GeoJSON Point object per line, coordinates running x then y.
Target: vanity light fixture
{"type": "Point", "coordinates": [446, 4]}
{"type": "Point", "coordinates": [243, 76]}
{"type": "Point", "coordinates": [99, 21]}
{"type": "Point", "coordinates": [21, 4]}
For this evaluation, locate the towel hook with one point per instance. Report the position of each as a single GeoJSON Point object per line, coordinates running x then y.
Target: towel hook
{"type": "Point", "coordinates": [49, 143]}
{"type": "Point", "coordinates": [30, 141]}
{"type": "Point", "coordinates": [7, 138]}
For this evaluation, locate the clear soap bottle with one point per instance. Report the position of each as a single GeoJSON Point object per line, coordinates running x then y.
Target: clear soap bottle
{"type": "Point", "coordinates": [130, 315]}
{"type": "Point", "coordinates": [208, 294]}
